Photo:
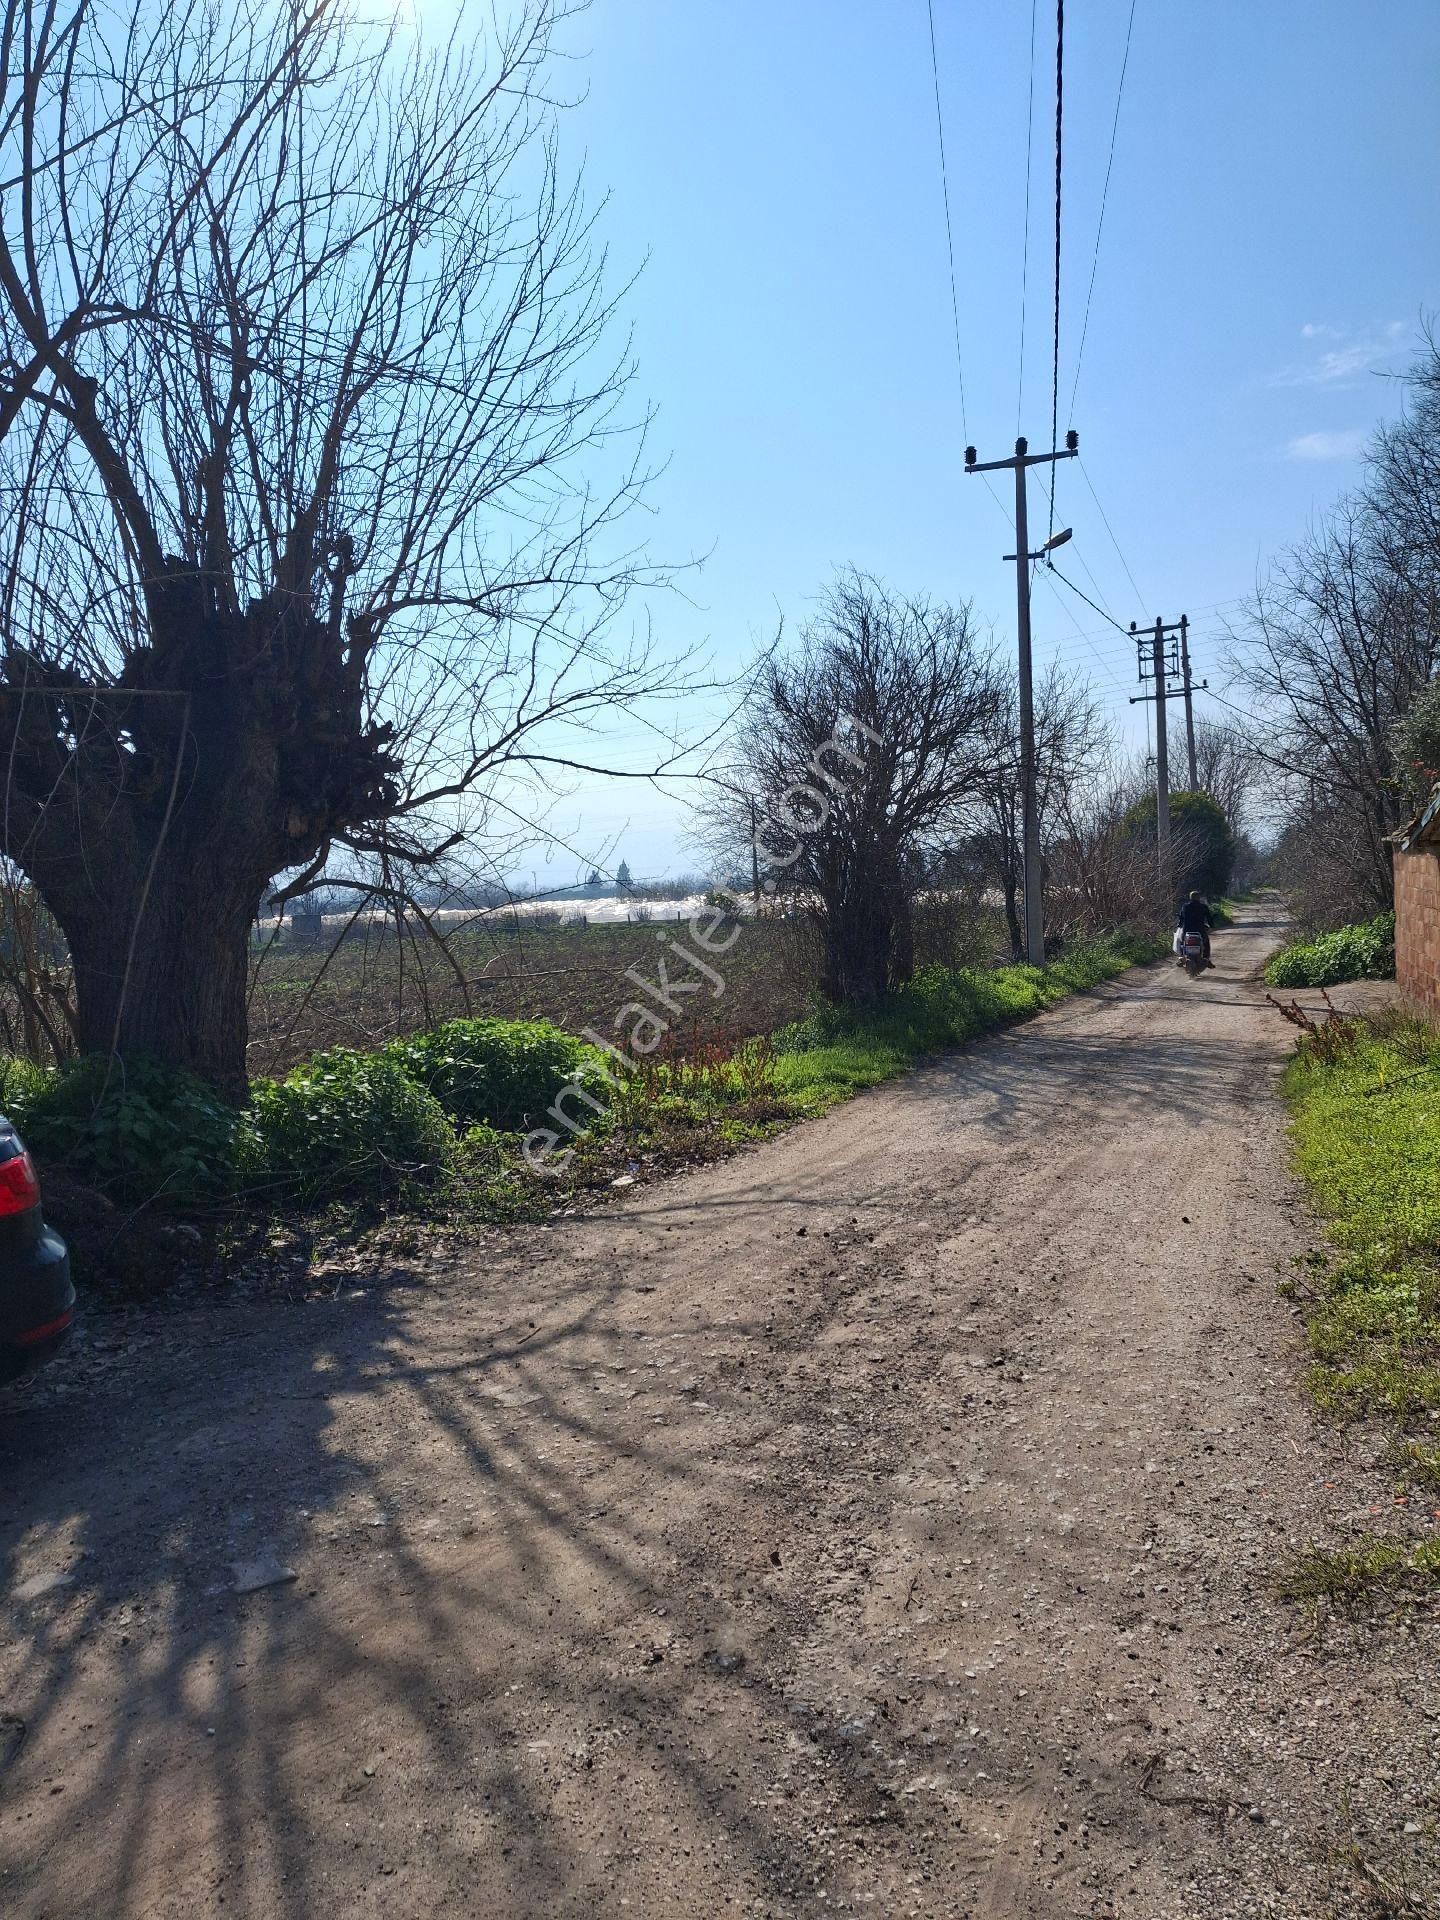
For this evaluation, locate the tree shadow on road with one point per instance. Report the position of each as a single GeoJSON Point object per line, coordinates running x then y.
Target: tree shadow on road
{"type": "Point", "coordinates": [484, 1676]}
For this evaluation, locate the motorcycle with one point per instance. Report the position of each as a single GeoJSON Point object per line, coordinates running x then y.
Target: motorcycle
{"type": "Point", "coordinates": [1191, 950]}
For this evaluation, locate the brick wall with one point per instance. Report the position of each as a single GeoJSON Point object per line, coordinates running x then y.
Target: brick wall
{"type": "Point", "coordinates": [1417, 927]}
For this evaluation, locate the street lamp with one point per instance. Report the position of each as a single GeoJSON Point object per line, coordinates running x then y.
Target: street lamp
{"type": "Point", "coordinates": [1055, 540]}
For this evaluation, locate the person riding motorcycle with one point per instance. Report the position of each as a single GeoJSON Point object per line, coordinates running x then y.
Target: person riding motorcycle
{"type": "Point", "coordinates": [1194, 917]}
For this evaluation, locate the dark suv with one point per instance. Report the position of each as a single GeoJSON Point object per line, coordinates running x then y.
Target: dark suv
{"type": "Point", "coordinates": [37, 1301]}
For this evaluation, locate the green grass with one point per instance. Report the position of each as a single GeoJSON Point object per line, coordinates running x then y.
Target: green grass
{"type": "Point", "coordinates": [1367, 1134]}
{"type": "Point", "coordinates": [1362, 952]}
{"type": "Point", "coordinates": [1352, 1573]}
{"type": "Point", "coordinates": [368, 1135]}
{"type": "Point", "coordinates": [836, 1052]}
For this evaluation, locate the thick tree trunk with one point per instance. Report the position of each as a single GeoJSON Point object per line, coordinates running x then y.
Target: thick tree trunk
{"type": "Point", "coordinates": [151, 825]}
{"type": "Point", "coordinates": [860, 945]}
{"type": "Point", "coordinates": [177, 994]}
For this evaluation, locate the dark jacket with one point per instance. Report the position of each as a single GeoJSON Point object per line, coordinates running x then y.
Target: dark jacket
{"type": "Point", "coordinates": [1195, 916]}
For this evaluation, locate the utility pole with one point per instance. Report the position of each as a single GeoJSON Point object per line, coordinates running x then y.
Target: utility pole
{"type": "Point", "coordinates": [1162, 671]}
{"type": "Point", "coordinates": [1029, 800]}
{"type": "Point", "coordinates": [1189, 701]}
{"type": "Point", "coordinates": [1162, 752]}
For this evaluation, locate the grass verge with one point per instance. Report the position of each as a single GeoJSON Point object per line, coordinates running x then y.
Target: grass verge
{"type": "Point", "coordinates": [1366, 1123]}
{"type": "Point", "coordinates": [682, 1113]}
{"type": "Point", "coordinates": [836, 1053]}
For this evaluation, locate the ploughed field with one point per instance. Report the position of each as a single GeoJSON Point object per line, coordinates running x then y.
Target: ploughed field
{"type": "Point", "coordinates": [371, 985]}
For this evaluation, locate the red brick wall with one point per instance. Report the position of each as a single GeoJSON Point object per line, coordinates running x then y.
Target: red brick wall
{"type": "Point", "coordinates": [1417, 928]}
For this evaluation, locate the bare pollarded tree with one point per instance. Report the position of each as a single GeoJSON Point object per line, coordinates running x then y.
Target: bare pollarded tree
{"type": "Point", "coordinates": [312, 450]}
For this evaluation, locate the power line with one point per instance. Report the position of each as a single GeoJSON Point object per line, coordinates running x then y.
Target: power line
{"type": "Point", "coordinates": [1108, 672]}
{"type": "Point", "coordinates": [1208, 606]}
{"type": "Point", "coordinates": [1059, 124]}
{"type": "Point", "coordinates": [1025, 252]}
{"type": "Point", "coordinates": [1099, 590]}
{"type": "Point", "coordinates": [1104, 197]}
{"type": "Point", "coordinates": [949, 233]}
{"type": "Point", "coordinates": [1088, 601]}
{"type": "Point", "coordinates": [1111, 531]}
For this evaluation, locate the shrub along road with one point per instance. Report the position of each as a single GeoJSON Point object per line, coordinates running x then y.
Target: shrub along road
{"type": "Point", "coordinates": [883, 1520]}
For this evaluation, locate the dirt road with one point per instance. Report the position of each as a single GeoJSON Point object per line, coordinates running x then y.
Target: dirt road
{"type": "Point", "coordinates": [878, 1522]}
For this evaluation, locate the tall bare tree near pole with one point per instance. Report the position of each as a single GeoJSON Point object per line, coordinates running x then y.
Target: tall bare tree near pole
{"type": "Point", "coordinates": [1023, 459]}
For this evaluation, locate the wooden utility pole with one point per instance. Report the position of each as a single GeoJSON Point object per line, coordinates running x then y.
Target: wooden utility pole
{"type": "Point", "coordinates": [1029, 799]}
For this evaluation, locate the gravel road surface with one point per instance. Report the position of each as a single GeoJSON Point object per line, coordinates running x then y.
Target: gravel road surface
{"type": "Point", "coordinates": [880, 1521]}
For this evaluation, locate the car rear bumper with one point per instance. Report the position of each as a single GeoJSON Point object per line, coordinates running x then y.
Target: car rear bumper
{"type": "Point", "coordinates": [37, 1305]}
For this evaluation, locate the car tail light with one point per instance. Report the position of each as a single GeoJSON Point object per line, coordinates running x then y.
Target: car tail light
{"type": "Point", "coordinates": [48, 1329]}
{"type": "Point", "coordinates": [19, 1188]}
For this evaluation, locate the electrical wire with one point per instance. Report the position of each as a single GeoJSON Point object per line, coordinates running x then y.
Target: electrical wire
{"type": "Point", "coordinates": [950, 246]}
{"type": "Point", "coordinates": [949, 232]}
{"type": "Point", "coordinates": [1085, 473]}
{"type": "Point", "coordinates": [1025, 252]}
{"type": "Point", "coordinates": [1052, 568]}
{"type": "Point", "coordinates": [1099, 590]}
{"type": "Point", "coordinates": [1108, 671]}
{"type": "Point", "coordinates": [1104, 197]}
{"type": "Point", "coordinates": [1055, 364]}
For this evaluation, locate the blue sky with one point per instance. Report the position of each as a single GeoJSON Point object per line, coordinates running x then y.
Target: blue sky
{"type": "Point", "coordinates": [1271, 243]}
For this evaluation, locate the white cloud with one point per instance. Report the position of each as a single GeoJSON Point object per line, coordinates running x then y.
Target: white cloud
{"type": "Point", "coordinates": [1345, 444]}
{"type": "Point", "coordinates": [1346, 356]}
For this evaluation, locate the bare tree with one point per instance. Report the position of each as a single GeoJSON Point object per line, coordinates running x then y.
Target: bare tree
{"type": "Point", "coordinates": [1228, 769]}
{"type": "Point", "coordinates": [1069, 740]}
{"type": "Point", "coordinates": [1104, 875]}
{"type": "Point", "coordinates": [1340, 640]}
{"type": "Point", "coordinates": [311, 455]}
{"type": "Point", "coordinates": [859, 751]}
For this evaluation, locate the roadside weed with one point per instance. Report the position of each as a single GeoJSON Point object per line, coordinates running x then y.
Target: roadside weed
{"type": "Point", "coordinates": [1348, 1574]}
{"type": "Point", "coordinates": [1367, 1134]}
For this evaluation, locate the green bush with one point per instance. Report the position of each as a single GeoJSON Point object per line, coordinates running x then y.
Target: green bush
{"type": "Point", "coordinates": [503, 1072]}
{"type": "Point", "coordinates": [137, 1130]}
{"type": "Point", "coordinates": [1363, 952]}
{"type": "Point", "coordinates": [347, 1123]}
{"type": "Point", "coordinates": [1202, 845]}
{"type": "Point", "coordinates": [1415, 742]}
